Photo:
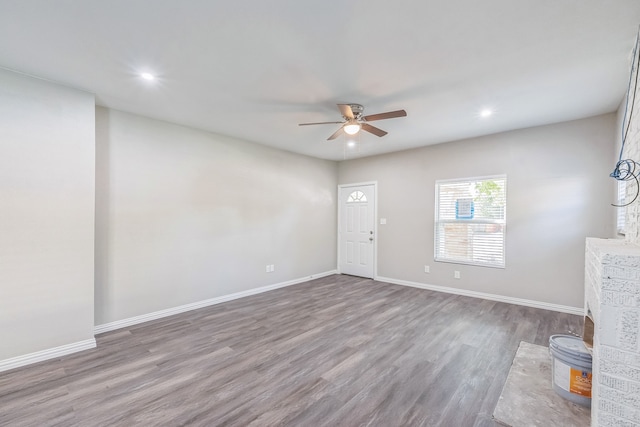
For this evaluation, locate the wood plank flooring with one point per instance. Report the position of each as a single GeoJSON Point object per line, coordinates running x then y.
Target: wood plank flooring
{"type": "Point", "coordinates": [337, 351]}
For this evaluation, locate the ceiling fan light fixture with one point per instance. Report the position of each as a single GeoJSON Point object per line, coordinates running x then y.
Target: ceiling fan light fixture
{"type": "Point", "coordinates": [354, 121]}
{"type": "Point", "coordinates": [352, 128]}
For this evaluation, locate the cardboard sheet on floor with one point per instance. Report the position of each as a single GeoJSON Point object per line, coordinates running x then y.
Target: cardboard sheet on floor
{"type": "Point", "coordinates": [527, 398]}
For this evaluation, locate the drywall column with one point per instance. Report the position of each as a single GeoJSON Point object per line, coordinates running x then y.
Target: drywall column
{"type": "Point", "coordinates": [47, 175]}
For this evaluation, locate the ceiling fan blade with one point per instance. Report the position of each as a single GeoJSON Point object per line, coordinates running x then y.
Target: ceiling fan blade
{"type": "Point", "coordinates": [372, 129]}
{"type": "Point", "coordinates": [320, 123]}
{"type": "Point", "coordinates": [336, 134]}
{"type": "Point", "coordinates": [345, 110]}
{"type": "Point", "coordinates": [382, 116]}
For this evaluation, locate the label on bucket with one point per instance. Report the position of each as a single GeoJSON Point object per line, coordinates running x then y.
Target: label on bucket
{"type": "Point", "coordinates": [572, 380]}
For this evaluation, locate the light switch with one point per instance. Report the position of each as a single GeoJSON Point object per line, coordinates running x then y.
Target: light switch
{"type": "Point", "coordinates": [383, 221]}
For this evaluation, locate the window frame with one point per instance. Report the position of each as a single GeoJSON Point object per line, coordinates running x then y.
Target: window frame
{"type": "Point", "coordinates": [356, 196]}
{"type": "Point", "coordinates": [502, 222]}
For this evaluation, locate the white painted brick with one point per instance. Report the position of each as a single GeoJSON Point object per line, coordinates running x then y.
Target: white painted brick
{"type": "Point", "coordinates": [628, 328]}
{"type": "Point", "coordinates": [620, 272]}
{"type": "Point", "coordinates": [619, 411]}
{"type": "Point", "coordinates": [628, 400]}
{"type": "Point", "coordinates": [616, 355]}
{"type": "Point", "coordinates": [606, 419]}
{"type": "Point", "coordinates": [619, 299]}
{"type": "Point", "coordinates": [619, 370]}
{"type": "Point", "coordinates": [620, 285]}
{"type": "Point", "coordinates": [617, 383]}
{"type": "Point", "coordinates": [619, 260]}
{"type": "Point", "coordinates": [612, 295]}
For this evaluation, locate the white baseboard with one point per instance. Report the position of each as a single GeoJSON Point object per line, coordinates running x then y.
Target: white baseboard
{"type": "Point", "coordinates": [99, 329]}
{"type": "Point", "coordinates": [510, 300]}
{"type": "Point", "coordinates": [51, 353]}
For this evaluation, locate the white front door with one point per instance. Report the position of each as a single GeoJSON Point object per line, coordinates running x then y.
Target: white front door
{"type": "Point", "coordinates": [356, 232]}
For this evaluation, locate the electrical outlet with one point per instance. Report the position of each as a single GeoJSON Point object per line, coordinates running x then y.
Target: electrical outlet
{"type": "Point", "coordinates": [456, 274]}
{"type": "Point", "coordinates": [427, 269]}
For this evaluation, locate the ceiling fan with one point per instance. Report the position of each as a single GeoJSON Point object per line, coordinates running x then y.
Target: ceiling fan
{"type": "Point", "coordinates": [354, 120]}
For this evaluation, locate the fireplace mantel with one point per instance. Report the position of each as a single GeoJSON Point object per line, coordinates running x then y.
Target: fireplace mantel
{"type": "Point", "coordinates": [612, 325]}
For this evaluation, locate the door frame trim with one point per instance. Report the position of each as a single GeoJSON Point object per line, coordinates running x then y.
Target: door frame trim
{"type": "Point", "coordinates": [375, 223]}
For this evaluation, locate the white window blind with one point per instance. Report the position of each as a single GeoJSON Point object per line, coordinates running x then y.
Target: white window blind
{"type": "Point", "coordinates": [621, 211]}
{"type": "Point", "coordinates": [470, 221]}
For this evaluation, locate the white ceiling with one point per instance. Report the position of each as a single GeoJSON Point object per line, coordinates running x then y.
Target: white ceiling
{"type": "Point", "coordinates": [255, 69]}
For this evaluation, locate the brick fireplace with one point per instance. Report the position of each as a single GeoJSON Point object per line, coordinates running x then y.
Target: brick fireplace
{"type": "Point", "coordinates": [612, 330]}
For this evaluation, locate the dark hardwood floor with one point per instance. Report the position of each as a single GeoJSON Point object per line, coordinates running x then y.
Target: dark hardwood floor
{"type": "Point", "coordinates": [337, 351]}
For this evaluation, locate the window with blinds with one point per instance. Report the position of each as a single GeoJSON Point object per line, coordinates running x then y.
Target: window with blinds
{"type": "Point", "coordinates": [470, 221]}
{"type": "Point", "coordinates": [621, 211]}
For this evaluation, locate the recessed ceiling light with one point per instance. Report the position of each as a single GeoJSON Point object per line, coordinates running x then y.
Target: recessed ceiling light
{"type": "Point", "coordinates": [486, 112]}
{"type": "Point", "coordinates": [147, 76]}
{"type": "Point", "coordinates": [351, 143]}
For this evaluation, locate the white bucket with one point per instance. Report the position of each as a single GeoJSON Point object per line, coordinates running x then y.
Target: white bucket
{"type": "Point", "coordinates": [571, 368]}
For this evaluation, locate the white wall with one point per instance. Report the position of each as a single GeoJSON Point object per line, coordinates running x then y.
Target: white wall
{"type": "Point", "coordinates": [47, 166]}
{"type": "Point", "coordinates": [558, 193]}
{"type": "Point", "coordinates": [184, 215]}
